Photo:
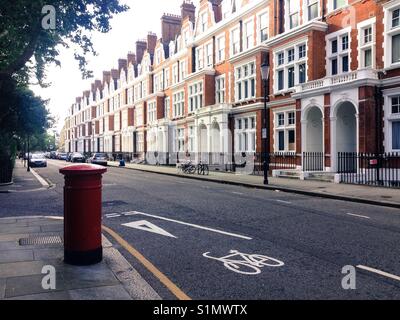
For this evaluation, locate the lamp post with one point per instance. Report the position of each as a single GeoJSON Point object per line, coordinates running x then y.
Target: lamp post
{"type": "Point", "coordinates": [29, 166]}
{"type": "Point", "coordinates": [265, 130]}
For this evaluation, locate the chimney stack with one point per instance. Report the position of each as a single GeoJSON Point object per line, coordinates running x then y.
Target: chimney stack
{"type": "Point", "coordinates": [106, 76]}
{"type": "Point", "coordinates": [151, 42]}
{"type": "Point", "coordinates": [141, 46]}
{"type": "Point", "coordinates": [122, 64]}
{"type": "Point", "coordinates": [131, 58]}
{"type": "Point", "coordinates": [170, 27]}
{"type": "Point", "coordinates": [188, 9]}
{"type": "Point", "coordinates": [217, 8]}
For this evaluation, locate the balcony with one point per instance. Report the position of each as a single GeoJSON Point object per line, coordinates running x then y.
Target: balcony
{"type": "Point", "coordinates": [354, 78]}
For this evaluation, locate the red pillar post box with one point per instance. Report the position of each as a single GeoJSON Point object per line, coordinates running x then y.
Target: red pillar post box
{"type": "Point", "coordinates": [82, 214]}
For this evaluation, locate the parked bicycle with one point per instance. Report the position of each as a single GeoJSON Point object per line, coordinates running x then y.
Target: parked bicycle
{"type": "Point", "coordinates": [187, 167]}
{"type": "Point", "coordinates": [203, 169]}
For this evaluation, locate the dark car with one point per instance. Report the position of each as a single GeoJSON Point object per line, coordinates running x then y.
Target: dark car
{"type": "Point", "coordinates": [62, 156]}
{"type": "Point", "coordinates": [77, 157]}
{"type": "Point", "coordinates": [37, 160]}
{"type": "Point", "coordinates": [99, 158]}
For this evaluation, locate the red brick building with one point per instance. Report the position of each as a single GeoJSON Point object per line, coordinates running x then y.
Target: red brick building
{"type": "Point", "coordinates": [334, 84]}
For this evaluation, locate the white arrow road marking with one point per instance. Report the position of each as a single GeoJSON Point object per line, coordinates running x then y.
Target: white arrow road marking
{"type": "Point", "coordinates": [147, 226]}
{"type": "Point", "coordinates": [133, 213]}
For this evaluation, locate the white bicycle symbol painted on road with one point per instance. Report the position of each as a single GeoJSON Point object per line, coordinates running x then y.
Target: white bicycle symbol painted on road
{"type": "Point", "coordinates": [249, 264]}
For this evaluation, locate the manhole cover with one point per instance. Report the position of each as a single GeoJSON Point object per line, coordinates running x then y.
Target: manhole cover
{"type": "Point", "coordinates": [33, 241]}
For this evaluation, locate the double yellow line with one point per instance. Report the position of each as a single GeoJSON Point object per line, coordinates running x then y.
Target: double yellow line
{"type": "Point", "coordinates": [148, 265]}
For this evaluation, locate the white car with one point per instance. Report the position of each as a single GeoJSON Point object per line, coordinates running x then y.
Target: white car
{"type": "Point", "coordinates": [38, 160]}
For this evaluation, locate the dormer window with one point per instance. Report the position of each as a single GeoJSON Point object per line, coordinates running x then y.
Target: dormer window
{"type": "Point", "coordinates": [203, 21]}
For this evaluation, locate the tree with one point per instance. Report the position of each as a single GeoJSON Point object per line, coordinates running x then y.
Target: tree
{"type": "Point", "coordinates": [23, 38]}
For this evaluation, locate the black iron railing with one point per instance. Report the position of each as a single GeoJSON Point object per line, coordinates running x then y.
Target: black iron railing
{"type": "Point", "coordinates": [277, 161]}
{"type": "Point", "coordinates": [313, 161]}
{"type": "Point", "coordinates": [381, 170]}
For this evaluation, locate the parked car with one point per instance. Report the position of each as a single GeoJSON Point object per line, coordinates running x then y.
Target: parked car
{"type": "Point", "coordinates": [77, 157]}
{"type": "Point", "coordinates": [37, 160]}
{"type": "Point", "coordinates": [62, 156]}
{"type": "Point", "coordinates": [99, 158]}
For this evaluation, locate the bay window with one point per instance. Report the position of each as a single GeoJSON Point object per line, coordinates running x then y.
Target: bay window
{"type": "Point", "coordinates": [167, 107]}
{"type": "Point", "coordinates": [290, 67]}
{"type": "Point", "coordinates": [180, 140]}
{"type": "Point", "coordinates": [245, 134]}
{"type": "Point", "coordinates": [220, 89]}
{"type": "Point", "coordinates": [179, 104]}
{"type": "Point", "coordinates": [285, 131]}
{"type": "Point", "coordinates": [338, 53]}
{"type": "Point", "coordinates": [151, 112]}
{"type": "Point", "coordinates": [195, 96]}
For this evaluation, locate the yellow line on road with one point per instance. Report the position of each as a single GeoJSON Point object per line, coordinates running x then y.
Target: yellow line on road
{"type": "Point", "coordinates": [149, 266]}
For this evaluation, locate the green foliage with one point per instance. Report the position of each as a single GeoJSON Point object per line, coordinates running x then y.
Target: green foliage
{"type": "Point", "coordinates": [23, 38]}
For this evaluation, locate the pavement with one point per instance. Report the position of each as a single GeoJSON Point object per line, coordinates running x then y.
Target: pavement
{"type": "Point", "coordinates": [21, 266]}
{"type": "Point", "coordinates": [389, 197]}
{"type": "Point", "coordinates": [177, 233]}
{"type": "Point", "coordinates": [22, 273]}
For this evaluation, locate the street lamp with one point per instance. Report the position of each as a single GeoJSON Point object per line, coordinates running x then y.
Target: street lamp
{"type": "Point", "coordinates": [265, 130]}
{"type": "Point", "coordinates": [29, 166]}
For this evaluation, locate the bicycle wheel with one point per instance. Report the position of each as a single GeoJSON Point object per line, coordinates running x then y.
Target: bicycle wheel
{"type": "Point", "coordinates": [242, 267]}
{"type": "Point", "coordinates": [192, 169]}
{"type": "Point", "coordinates": [265, 261]}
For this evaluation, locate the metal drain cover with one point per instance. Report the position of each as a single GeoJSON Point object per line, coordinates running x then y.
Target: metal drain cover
{"type": "Point", "coordinates": [33, 241]}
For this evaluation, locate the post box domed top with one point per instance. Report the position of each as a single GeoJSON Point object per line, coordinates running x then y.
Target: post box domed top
{"type": "Point", "coordinates": [82, 169]}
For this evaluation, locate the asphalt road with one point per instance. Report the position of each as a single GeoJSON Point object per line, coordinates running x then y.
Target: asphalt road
{"type": "Point", "coordinates": [174, 222]}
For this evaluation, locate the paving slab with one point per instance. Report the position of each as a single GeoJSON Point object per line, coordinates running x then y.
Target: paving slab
{"type": "Point", "coordinates": [49, 296]}
{"type": "Point", "coordinates": [86, 277]}
{"type": "Point", "coordinates": [47, 253]}
{"type": "Point", "coordinates": [100, 293]}
{"type": "Point", "coordinates": [25, 268]}
{"type": "Point", "coordinates": [28, 285]}
{"type": "Point", "coordinates": [51, 227]}
{"type": "Point", "coordinates": [12, 237]}
{"type": "Point", "coordinates": [15, 229]}
{"type": "Point", "coordinates": [15, 256]}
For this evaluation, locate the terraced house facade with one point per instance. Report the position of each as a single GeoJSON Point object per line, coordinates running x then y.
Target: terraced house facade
{"type": "Point", "coordinates": [334, 84]}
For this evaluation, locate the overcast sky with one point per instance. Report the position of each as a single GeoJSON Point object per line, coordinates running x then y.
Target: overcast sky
{"type": "Point", "coordinates": [142, 17]}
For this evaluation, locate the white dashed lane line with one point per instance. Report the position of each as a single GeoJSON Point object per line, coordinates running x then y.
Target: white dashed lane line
{"type": "Point", "coordinates": [358, 215]}
{"type": "Point", "coordinates": [382, 273]}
